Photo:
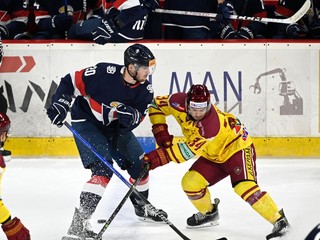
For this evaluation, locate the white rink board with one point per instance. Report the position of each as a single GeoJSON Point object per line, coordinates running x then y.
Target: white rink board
{"type": "Point", "coordinates": [228, 69]}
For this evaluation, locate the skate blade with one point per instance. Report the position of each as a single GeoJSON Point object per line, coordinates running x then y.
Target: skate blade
{"type": "Point", "coordinates": [210, 224]}
{"type": "Point", "coordinates": [73, 237]}
{"type": "Point", "coordinates": [148, 220]}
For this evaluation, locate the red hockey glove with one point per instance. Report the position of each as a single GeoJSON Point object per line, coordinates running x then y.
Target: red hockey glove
{"type": "Point", "coordinates": [157, 158]}
{"type": "Point", "coordinates": [15, 230]}
{"type": "Point", "coordinates": [162, 136]}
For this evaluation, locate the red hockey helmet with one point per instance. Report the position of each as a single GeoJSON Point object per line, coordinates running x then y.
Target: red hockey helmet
{"type": "Point", "coordinates": [198, 96]}
{"type": "Point", "coordinates": [4, 123]}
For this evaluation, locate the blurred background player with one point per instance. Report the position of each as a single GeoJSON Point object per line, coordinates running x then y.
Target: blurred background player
{"type": "Point", "coordinates": [111, 101]}
{"type": "Point", "coordinates": [245, 29]}
{"type": "Point", "coordinates": [223, 147]}
{"type": "Point", "coordinates": [55, 17]}
{"type": "Point", "coordinates": [14, 19]}
{"type": "Point", "coordinates": [285, 9]}
{"type": "Point", "coordinates": [124, 21]}
{"type": "Point", "coordinates": [12, 227]}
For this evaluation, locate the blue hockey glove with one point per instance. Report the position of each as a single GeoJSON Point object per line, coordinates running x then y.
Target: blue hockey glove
{"type": "Point", "coordinates": [225, 10]}
{"type": "Point", "coordinates": [62, 22]}
{"type": "Point", "coordinates": [104, 32]}
{"type": "Point", "coordinates": [59, 109]}
{"type": "Point", "coordinates": [128, 116]}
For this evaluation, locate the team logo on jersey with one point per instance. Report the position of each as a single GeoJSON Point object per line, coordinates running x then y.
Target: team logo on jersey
{"type": "Point", "coordinates": [115, 104]}
{"type": "Point", "coordinates": [111, 69]}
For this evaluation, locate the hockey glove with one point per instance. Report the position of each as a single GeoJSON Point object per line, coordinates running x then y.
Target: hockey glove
{"type": "Point", "coordinates": [62, 22]}
{"type": "Point", "coordinates": [245, 33]}
{"type": "Point", "coordinates": [128, 116]}
{"type": "Point", "coordinates": [157, 158]}
{"type": "Point", "coordinates": [228, 33]}
{"type": "Point", "coordinates": [162, 136]}
{"type": "Point", "coordinates": [58, 111]}
{"type": "Point", "coordinates": [295, 31]}
{"type": "Point", "coordinates": [104, 32]}
{"type": "Point", "coordinates": [150, 4]}
{"type": "Point", "coordinates": [225, 10]}
{"type": "Point", "coordinates": [15, 230]}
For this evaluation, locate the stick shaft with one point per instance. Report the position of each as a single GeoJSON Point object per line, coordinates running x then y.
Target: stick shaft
{"type": "Point", "coordinates": [163, 218]}
{"type": "Point", "coordinates": [294, 18]}
{"type": "Point", "coordinates": [115, 212]}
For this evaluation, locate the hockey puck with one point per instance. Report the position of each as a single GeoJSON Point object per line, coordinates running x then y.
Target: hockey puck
{"type": "Point", "coordinates": [223, 238]}
{"type": "Point", "coordinates": [101, 221]}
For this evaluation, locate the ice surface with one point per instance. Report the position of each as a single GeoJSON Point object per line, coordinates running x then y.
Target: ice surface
{"type": "Point", "coordinates": [43, 192]}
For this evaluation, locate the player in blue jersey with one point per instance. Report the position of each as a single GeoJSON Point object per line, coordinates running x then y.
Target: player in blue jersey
{"type": "Point", "coordinates": [124, 21]}
{"type": "Point", "coordinates": [110, 101]}
{"type": "Point", "coordinates": [13, 19]}
{"type": "Point", "coordinates": [55, 17]}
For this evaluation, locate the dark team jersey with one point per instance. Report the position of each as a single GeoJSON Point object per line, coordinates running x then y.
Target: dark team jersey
{"type": "Point", "coordinates": [13, 15]}
{"type": "Point", "coordinates": [252, 8]}
{"type": "Point", "coordinates": [133, 17]}
{"type": "Point", "coordinates": [45, 9]}
{"type": "Point", "coordinates": [98, 88]}
{"type": "Point", "coordinates": [136, 18]}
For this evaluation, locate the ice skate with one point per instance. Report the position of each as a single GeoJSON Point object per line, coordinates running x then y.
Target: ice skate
{"type": "Point", "coordinates": [281, 227]}
{"type": "Point", "coordinates": [148, 213]}
{"type": "Point", "coordinates": [80, 228]}
{"type": "Point", "coordinates": [209, 219]}
{"type": "Point", "coordinates": [6, 154]}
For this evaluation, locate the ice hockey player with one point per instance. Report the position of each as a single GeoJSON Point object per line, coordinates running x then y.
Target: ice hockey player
{"type": "Point", "coordinates": [111, 100]}
{"type": "Point", "coordinates": [223, 147]}
{"type": "Point", "coordinates": [14, 18]}
{"type": "Point", "coordinates": [54, 18]}
{"type": "Point", "coordinates": [124, 21]}
{"type": "Point", "coordinates": [12, 227]}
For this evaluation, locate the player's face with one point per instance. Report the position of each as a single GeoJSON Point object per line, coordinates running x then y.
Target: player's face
{"type": "Point", "coordinates": [3, 137]}
{"type": "Point", "coordinates": [197, 113]}
{"type": "Point", "coordinates": [143, 72]}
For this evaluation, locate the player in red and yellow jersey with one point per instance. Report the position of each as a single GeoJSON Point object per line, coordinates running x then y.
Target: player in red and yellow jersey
{"type": "Point", "coordinates": [223, 147]}
{"type": "Point", "coordinates": [12, 227]}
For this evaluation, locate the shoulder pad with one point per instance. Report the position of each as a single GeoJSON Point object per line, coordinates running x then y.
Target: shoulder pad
{"type": "Point", "coordinates": [178, 101]}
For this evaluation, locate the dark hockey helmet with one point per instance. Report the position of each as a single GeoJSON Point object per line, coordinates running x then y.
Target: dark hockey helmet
{"type": "Point", "coordinates": [198, 96]}
{"type": "Point", "coordinates": [4, 123]}
{"type": "Point", "coordinates": [139, 55]}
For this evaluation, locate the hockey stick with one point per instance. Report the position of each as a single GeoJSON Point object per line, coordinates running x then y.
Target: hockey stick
{"type": "Point", "coordinates": [115, 212]}
{"type": "Point", "coordinates": [294, 18]}
{"type": "Point", "coordinates": [163, 218]}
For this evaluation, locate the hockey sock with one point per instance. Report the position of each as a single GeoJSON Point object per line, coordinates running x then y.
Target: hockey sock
{"type": "Point", "coordinates": [195, 186]}
{"type": "Point", "coordinates": [91, 194]}
{"type": "Point", "coordinates": [260, 201]}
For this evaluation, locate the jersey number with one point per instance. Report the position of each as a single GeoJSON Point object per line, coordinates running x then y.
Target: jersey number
{"type": "Point", "coordinates": [90, 71]}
